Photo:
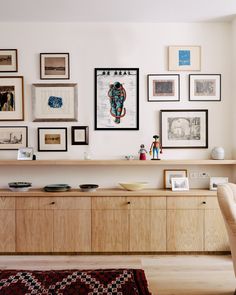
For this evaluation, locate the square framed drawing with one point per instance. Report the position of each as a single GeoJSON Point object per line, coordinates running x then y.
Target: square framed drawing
{"type": "Point", "coordinates": [180, 184]}
{"type": "Point", "coordinates": [184, 128]}
{"type": "Point", "coordinates": [8, 60]}
{"type": "Point", "coordinates": [173, 173]}
{"type": "Point", "coordinates": [117, 99]}
{"type": "Point", "coordinates": [55, 102]}
{"type": "Point", "coordinates": [184, 58]}
{"type": "Point", "coordinates": [79, 135]}
{"type": "Point", "coordinates": [13, 137]}
{"type": "Point", "coordinates": [205, 87]}
{"type": "Point", "coordinates": [52, 139]}
{"type": "Point", "coordinates": [163, 87]}
{"type": "Point", "coordinates": [11, 98]}
{"type": "Point", "coordinates": [54, 66]}
{"type": "Point", "coordinates": [25, 153]}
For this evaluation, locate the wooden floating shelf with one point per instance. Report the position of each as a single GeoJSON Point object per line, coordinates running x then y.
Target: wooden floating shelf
{"type": "Point", "coordinates": [114, 162]}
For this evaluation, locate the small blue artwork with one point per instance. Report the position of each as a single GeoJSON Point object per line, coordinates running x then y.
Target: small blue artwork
{"type": "Point", "coordinates": [184, 58]}
{"type": "Point", "coordinates": [55, 102]}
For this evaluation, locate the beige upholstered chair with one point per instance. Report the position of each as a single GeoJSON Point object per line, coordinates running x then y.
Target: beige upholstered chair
{"type": "Point", "coordinates": [226, 194]}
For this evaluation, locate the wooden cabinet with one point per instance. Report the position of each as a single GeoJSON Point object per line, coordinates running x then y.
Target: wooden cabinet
{"type": "Point", "coordinates": [7, 224]}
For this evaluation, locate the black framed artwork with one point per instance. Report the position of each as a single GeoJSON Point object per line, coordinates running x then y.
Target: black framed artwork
{"type": "Point", "coordinates": [13, 137]}
{"type": "Point", "coordinates": [79, 135]}
{"type": "Point", "coordinates": [116, 99]}
{"type": "Point", "coordinates": [8, 60]}
{"type": "Point", "coordinates": [184, 128]}
{"type": "Point", "coordinates": [52, 139]}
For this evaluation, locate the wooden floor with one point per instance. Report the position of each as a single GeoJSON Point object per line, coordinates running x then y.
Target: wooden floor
{"type": "Point", "coordinates": [166, 275]}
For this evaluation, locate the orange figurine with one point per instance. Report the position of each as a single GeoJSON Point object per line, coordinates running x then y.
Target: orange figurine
{"type": "Point", "coordinates": [155, 147]}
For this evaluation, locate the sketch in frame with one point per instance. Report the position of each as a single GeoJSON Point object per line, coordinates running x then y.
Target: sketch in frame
{"type": "Point", "coordinates": [180, 184]}
{"type": "Point", "coordinates": [163, 87]}
{"type": "Point", "coordinates": [184, 58]}
{"type": "Point", "coordinates": [173, 173]}
{"type": "Point", "coordinates": [13, 137]}
{"type": "Point", "coordinates": [52, 139]}
{"type": "Point", "coordinates": [116, 99]}
{"type": "Point", "coordinates": [184, 128]}
{"type": "Point", "coordinates": [79, 135]}
{"type": "Point", "coordinates": [8, 60]}
{"type": "Point", "coordinates": [54, 66]}
{"type": "Point", "coordinates": [25, 153]}
{"type": "Point", "coordinates": [55, 102]}
{"type": "Point", "coordinates": [11, 98]}
{"type": "Point", "coordinates": [205, 87]}
{"type": "Point", "coordinates": [215, 181]}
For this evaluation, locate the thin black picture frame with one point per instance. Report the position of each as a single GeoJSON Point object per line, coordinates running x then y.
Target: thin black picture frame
{"type": "Point", "coordinates": [86, 135]}
{"type": "Point", "coordinates": [16, 127]}
{"type": "Point", "coordinates": [205, 146]}
{"type": "Point", "coordinates": [52, 128]}
{"type": "Point", "coordinates": [122, 71]}
{"type": "Point", "coordinates": [15, 52]}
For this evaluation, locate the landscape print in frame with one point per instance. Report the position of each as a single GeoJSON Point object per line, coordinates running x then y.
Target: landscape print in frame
{"type": "Point", "coordinates": [184, 128]}
{"type": "Point", "coordinates": [116, 99]}
{"type": "Point", "coordinates": [13, 137]}
{"type": "Point", "coordinates": [8, 60]}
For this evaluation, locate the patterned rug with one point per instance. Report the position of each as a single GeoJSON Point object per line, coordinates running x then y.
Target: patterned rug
{"type": "Point", "coordinates": [73, 282]}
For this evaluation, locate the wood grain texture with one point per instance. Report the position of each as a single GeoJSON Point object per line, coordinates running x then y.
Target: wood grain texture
{"type": "Point", "coordinates": [110, 231]}
{"type": "Point", "coordinates": [158, 230]}
{"type": "Point", "coordinates": [110, 203]}
{"type": "Point", "coordinates": [185, 202]}
{"type": "Point", "coordinates": [70, 203]}
{"type": "Point", "coordinates": [72, 231]}
{"type": "Point", "coordinates": [216, 238]}
{"type": "Point", "coordinates": [139, 203]}
{"type": "Point", "coordinates": [34, 230]}
{"type": "Point", "coordinates": [7, 203]}
{"type": "Point", "coordinates": [185, 230]}
{"type": "Point", "coordinates": [7, 231]}
{"type": "Point", "coordinates": [27, 203]}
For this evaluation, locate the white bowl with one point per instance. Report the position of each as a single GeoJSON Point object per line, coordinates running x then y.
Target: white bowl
{"type": "Point", "coordinates": [19, 189]}
{"type": "Point", "coordinates": [133, 186]}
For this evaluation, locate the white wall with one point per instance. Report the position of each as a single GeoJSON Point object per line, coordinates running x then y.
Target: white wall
{"type": "Point", "coordinates": [120, 45]}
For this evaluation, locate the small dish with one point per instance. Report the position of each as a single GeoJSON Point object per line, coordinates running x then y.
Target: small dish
{"type": "Point", "coordinates": [19, 184]}
{"type": "Point", "coordinates": [88, 187]}
{"type": "Point", "coordinates": [133, 186]}
{"type": "Point", "coordinates": [19, 189]}
{"type": "Point", "coordinates": [57, 188]}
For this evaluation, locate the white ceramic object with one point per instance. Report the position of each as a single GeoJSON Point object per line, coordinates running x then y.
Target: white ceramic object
{"type": "Point", "coordinates": [133, 186]}
{"type": "Point", "coordinates": [19, 189]}
{"type": "Point", "coordinates": [218, 153]}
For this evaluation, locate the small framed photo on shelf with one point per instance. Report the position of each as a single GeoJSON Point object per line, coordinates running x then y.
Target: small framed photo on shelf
{"type": "Point", "coordinates": [205, 87]}
{"type": "Point", "coordinates": [184, 128]}
{"type": "Point", "coordinates": [54, 66]}
{"type": "Point", "coordinates": [173, 173]}
{"type": "Point", "coordinates": [25, 153]}
{"type": "Point", "coordinates": [79, 135]}
{"type": "Point", "coordinates": [8, 60]}
{"type": "Point", "coordinates": [184, 58]}
{"type": "Point", "coordinates": [116, 99]}
{"type": "Point", "coordinates": [11, 98]}
{"type": "Point", "coordinates": [52, 139]}
{"type": "Point", "coordinates": [13, 137]}
{"type": "Point", "coordinates": [163, 87]}
{"type": "Point", "coordinates": [179, 184]}
{"type": "Point", "coordinates": [55, 102]}
{"type": "Point", "coordinates": [215, 181]}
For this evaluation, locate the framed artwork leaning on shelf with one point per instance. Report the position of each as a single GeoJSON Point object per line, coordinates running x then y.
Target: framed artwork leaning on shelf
{"type": "Point", "coordinates": [180, 184]}
{"type": "Point", "coordinates": [8, 60]}
{"type": "Point", "coordinates": [184, 128]}
{"type": "Point", "coordinates": [172, 173]}
{"type": "Point", "coordinates": [25, 153]}
{"type": "Point", "coordinates": [163, 87]}
{"type": "Point", "coordinates": [13, 137]}
{"type": "Point", "coordinates": [52, 139]}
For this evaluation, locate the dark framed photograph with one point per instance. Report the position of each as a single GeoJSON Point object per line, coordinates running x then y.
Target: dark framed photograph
{"type": "Point", "coordinates": [13, 137]}
{"type": "Point", "coordinates": [8, 60]}
{"type": "Point", "coordinates": [79, 135]}
{"type": "Point", "coordinates": [11, 98]}
{"type": "Point", "coordinates": [163, 87]}
{"type": "Point", "coordinates": [54, 66]}
{"type": "Point", "coordinates": [184, 128]}
{"type": "Point", "coordinates": [52, 139]}
{"type": "Point", "coordinates": [205, 87]}
{"type": "Point", "coordinates": [116, 99]}
{"type": "Point", "coordinates": [55, 102]}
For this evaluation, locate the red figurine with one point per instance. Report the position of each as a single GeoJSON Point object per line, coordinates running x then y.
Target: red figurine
{"type": "Point", "coordinates": [142, 152]}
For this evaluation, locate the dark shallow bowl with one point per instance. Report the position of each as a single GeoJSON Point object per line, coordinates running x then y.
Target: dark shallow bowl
{"type": "Point", "coordinates": [19, 184]}
{"type": "Point", "coordinates": [88, 187]}
{"type": "Point", "coordinates": [57, 188]}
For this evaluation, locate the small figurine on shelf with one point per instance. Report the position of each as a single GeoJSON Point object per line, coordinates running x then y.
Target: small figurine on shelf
{"type": "Point", "coordinates": [155, 147]}
{"type": "Point", "coordinates": [142, 152]}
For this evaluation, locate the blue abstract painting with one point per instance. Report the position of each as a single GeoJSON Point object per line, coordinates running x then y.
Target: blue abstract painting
{"type": "Point", "coordinates": [55, 102]}
{"type": "Point", "coordinates": [184, 58]}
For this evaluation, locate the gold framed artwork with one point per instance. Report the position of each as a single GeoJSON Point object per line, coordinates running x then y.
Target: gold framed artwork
{"type": "Point", "coordinates": [168, 174]}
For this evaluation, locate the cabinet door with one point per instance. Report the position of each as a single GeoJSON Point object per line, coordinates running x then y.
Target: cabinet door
{"type": "Point", "coordinates": [72, 231]}
{"type": "Point", "coordinates": [185, 230]}
{"type": "Point", "coordinates": [216, 238]}
{"type": "Point", "coordinates": [110, 231]}
{"type": "Point", "coordinates": [7, 231]}
{"type": "Point", "coordinates": [34, 230]}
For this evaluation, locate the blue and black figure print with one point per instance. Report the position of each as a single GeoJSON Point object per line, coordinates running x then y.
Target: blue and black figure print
{"type": "Point", "coordinates": [117, 96]}
{"type": "Point", "coordinates": [55, 102]}
{"type": "Point", "coordinates": [184, 58]}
